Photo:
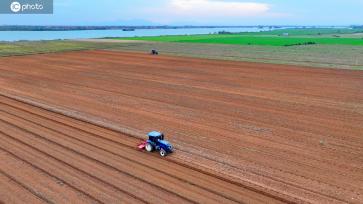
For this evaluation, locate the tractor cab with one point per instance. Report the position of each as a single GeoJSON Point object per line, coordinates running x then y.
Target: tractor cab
{"type": "Point", "coordinates": [155, 136]}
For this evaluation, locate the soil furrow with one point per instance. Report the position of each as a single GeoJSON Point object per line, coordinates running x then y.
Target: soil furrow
{"type": "Point", "coordinates": [128, 152]}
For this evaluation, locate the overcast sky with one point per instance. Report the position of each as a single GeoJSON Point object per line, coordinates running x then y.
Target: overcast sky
{"type": "Point", "coordinates": [196, 12]}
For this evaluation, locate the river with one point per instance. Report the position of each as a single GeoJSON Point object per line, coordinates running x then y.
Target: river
{"type": "Point", "coordinates": [83, 34]}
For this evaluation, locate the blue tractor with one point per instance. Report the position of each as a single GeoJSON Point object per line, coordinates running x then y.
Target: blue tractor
{"type": "Point", "coordinates": [156, 142]}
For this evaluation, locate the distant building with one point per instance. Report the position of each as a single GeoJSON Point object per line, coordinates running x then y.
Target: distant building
{"type": "Point", "coordinates": [285, 34]}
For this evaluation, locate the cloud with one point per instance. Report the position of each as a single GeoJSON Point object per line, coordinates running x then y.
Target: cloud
{"type": "Point", "coordinates": [217, 8]}
{"type": "Point", "coordinates": [205, 12]}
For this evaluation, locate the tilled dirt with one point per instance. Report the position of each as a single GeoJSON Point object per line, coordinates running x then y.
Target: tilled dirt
{"type": "Point", "coordinates": [62, 160]}
{"type": "Point", "coordinates": [243, 132]}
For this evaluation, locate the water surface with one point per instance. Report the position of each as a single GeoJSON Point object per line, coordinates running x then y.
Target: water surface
{"type": "Point", "coordinates": [82, 34]}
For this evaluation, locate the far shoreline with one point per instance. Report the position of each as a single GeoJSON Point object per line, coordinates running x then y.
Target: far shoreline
{"type": "Point", "coordinates": [132, 28]}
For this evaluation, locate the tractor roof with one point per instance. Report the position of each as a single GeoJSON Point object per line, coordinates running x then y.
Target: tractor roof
{"type": "Point", "coordinates": [154, 134]}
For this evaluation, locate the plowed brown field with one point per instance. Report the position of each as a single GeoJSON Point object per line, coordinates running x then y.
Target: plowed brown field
{"type": "Point", "coordinates": [243, 132]}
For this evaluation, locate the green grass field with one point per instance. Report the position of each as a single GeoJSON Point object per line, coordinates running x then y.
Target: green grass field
{"type": "Point", "coordinates": [309, 31]}
{"type": "Point", "coordinates": [271, 38]}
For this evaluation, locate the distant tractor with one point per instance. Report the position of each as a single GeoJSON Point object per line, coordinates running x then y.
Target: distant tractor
{"type": "Point", "coordinates": [156, 142]}
{"type": "Point", "coordinates": [154, 52]}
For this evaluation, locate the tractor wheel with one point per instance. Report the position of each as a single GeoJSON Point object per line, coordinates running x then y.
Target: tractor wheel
{"type": "Point", "coordinates": [162, 152]}
{"type": "Point", "coordinates": [149, 147]}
